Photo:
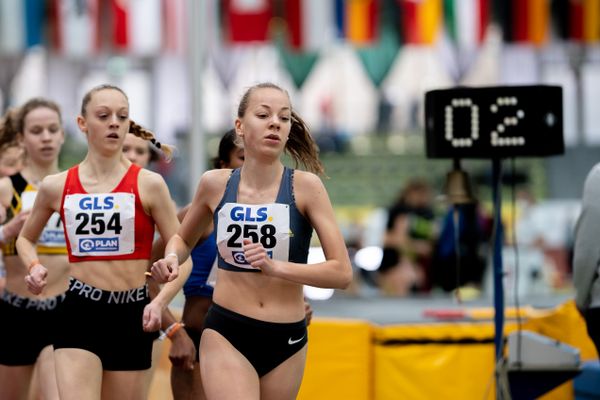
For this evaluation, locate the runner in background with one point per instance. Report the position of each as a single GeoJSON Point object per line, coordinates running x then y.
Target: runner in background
{"type": "Point", "coordinates": [29, 320]}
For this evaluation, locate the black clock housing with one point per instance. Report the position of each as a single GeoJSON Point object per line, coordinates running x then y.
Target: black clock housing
{"type": "Point", "coordinates": [494, 122]}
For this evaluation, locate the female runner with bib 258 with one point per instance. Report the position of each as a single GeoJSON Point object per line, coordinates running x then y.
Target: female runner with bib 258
{"type": "Point", "coordinates": [109, 207]}
{"type": "Point", "coordinates": [264, 213]}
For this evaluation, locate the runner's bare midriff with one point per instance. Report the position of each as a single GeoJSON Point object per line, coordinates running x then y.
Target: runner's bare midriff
{"type": "Point", "coordinates": [114, 275]}
{"type": "Point", "coordinates": [260, 297]}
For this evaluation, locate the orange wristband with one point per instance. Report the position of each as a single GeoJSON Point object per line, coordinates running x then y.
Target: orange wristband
{"type": "Point", "coordinates": [177, 326]}
{"type": "Point", "coordinates": [33, 264]}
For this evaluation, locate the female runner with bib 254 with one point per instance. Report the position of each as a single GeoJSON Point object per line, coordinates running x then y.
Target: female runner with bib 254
{"type": "Point", "coordinates": [109, 207]}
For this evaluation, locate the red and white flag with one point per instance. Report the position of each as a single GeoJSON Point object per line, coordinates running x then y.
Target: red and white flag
{"type": "Point", "coordinates": [175, 23]}
{"type": "Point", "coordinates": [310, 23]}
{"type": "Point", "coordinates": [137, 26]}
{"type": "Point", "coordinates": [248, 20]}
{"type": "Point", "coordinates": [76, 27]}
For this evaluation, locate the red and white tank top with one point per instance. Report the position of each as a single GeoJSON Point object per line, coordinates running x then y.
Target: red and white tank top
{"type": "Point", "coordinates": [106, 226]}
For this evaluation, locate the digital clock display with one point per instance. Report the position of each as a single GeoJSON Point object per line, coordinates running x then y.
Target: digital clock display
{"type": "Point", "coordinates": [494, 122]}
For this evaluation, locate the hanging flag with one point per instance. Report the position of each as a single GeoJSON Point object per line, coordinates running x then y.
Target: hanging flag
{"type": "Point", "coordinates": [21, 24]}
{"type": "Point", "coordinates": [591, 21]}
{"type": "Point", "coordinates": [76, 27]}
{"type": "Point", "coordinates": [577, 20]}
{"type": "Point", "coordinates": [247, 20]}
{"type": "Point", "coordinates": [520, 16]}
{"type": "Point", "coordinates": [357, 20]}
{"type": "Point", "coordinates": [378, 58]}
{"type": "Point", "coordinates": [175, 26]}
{"type": "Point", "coordinates": [524, 21]}
{"type": "Point", "coordinates": [35, 15]}
{"type": "Point", "coordinates": [560, 18]}
{"type": "Point", "coordinates": [467, 21]}
{"type": "Point", "coordinates": [309, 23]}
{"type": "Point", "coordinates": [12, 29]}
{"type": "Point", "coordinates": [538, 14]}
{"type": "Point", "coordinates": [584, 21]}
{"type": "Point", "coordinates": [421, 21]}
{"type": "Point", "coordinates": [137, 26]}
{"type": "Point", "coordinates": [298, 64]}
{"type": "Point", "coordinates": [226, 59]}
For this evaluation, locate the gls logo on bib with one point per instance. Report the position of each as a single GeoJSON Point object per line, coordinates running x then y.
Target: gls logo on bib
{"type": "Point", "coordinates": [100, 224]}
{"type": "Point", "coordinates": [268, 224]}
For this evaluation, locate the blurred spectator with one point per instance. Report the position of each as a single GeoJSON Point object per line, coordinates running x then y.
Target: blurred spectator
{"type": "Point", "coordinates": [546, 228]}
{"type": "Point", "coordinates": [328, 137]}
{"type": "Point", "coordinates": [410, 230]}
{"type": "Point", "coordinates": [451, 270]}
{"type": "Point", "coordinates": [397, 274]}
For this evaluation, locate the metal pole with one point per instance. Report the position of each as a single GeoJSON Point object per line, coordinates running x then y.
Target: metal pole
{"type": "Point", "coordinates": [197, 49]}
{"type": "Point", "coordinates": [497, 267]}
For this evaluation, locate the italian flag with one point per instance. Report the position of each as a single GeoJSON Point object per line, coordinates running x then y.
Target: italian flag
{"type": "Point", "coordinates": [466, 21]}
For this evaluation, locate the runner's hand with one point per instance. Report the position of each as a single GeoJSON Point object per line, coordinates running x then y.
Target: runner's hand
{"type": "Point", "coordinates": [257, 257]}
{"type": "Point", "coordinates": [12, 228]}
{"type": "Point", "coordinates": [152, 317]}
{"type": "Point", "coordinates": [183, 351]}
{"type": "Point", "coordinates": [308, 311]}
{"type": "Point", "coordinates": [36, 279]}
{"type": "Point", "coordinates": [166, 269]}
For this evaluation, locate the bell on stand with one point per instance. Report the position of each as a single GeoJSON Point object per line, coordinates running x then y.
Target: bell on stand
{"type": "Point", "coordinates": [458, 186]}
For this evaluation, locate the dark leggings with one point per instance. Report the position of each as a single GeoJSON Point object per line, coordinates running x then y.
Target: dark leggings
{"type": "Point", "coordinates": [592, 320]}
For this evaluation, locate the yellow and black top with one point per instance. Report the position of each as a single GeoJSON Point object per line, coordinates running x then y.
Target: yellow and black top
{"type": "Point", "coordinates": [52, 239]}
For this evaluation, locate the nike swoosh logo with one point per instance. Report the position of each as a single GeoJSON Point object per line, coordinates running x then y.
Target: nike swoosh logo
{"type": "Point", "coordinates": [291, 341]}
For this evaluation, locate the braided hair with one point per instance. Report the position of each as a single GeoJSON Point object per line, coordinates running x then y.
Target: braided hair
{"type": "Point", "coordinates": [145, 134]}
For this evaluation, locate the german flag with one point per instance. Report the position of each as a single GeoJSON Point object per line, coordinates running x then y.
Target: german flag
{"type": "Point", "coordinates": [524, 21]}
{"type": "Point", "coordinates": [577, 20]}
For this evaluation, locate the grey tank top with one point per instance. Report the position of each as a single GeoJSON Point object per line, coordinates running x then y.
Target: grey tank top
{"type": "Point", "coordinates": [301, 230]}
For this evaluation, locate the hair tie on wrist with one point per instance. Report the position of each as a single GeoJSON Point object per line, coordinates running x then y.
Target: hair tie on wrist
{"type": "Point", "coordinates": [155, 143]}
{"type": "Point", "coordinates": [33, 264]}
